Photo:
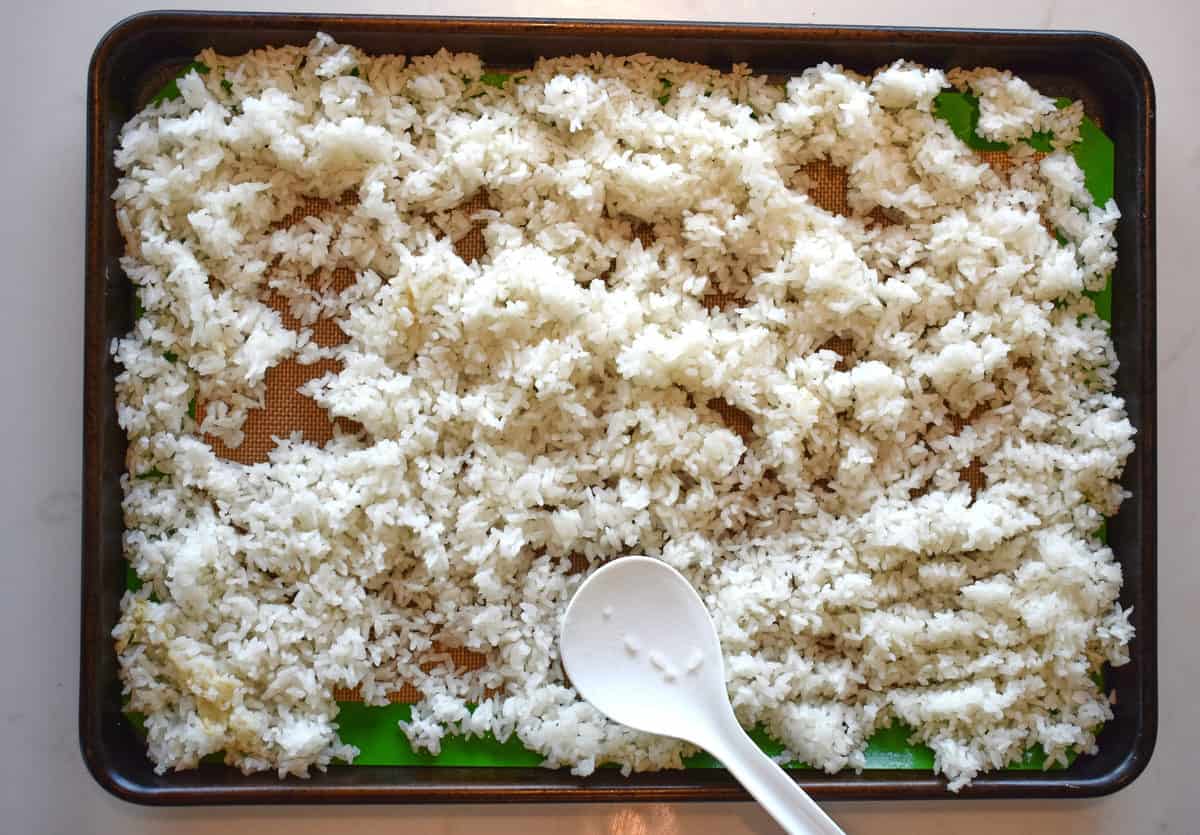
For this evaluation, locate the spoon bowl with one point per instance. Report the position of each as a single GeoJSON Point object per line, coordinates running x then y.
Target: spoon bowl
{"type": "Point", "coordinates": [637, 642]}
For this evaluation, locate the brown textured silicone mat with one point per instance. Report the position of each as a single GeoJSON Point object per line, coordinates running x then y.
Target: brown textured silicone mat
{"type": "Point", "coordinates": [287, 411]}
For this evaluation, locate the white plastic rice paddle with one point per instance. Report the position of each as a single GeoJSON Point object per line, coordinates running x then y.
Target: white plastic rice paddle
{"type": "Point", "coordinates": [638, 643]}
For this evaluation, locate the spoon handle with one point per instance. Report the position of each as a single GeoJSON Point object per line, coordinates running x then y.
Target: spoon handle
{"type": "Point", "coordinates": [770, 785]}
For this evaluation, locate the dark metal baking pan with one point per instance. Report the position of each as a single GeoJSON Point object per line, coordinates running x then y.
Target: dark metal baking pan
{"type": "Point", "coordinates": [137, 52]}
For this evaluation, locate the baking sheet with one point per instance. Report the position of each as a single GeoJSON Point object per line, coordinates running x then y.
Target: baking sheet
{"type": "Point", "coordinates": [167, 40]}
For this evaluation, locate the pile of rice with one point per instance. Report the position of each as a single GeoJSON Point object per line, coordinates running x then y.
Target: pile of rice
{"type": "Point", "coordinates": [555, 399]}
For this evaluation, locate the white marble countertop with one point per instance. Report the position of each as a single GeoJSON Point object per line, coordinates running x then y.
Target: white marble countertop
{"type": "Point", "coordinates": [44, 787]}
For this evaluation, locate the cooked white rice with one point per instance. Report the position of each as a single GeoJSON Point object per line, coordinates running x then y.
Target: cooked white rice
{"type": "Point", "coordinates": [550, 400]}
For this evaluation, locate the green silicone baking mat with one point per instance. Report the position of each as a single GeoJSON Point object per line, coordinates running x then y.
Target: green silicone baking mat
{"type": "Point", "coordinates": [374, 730]}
